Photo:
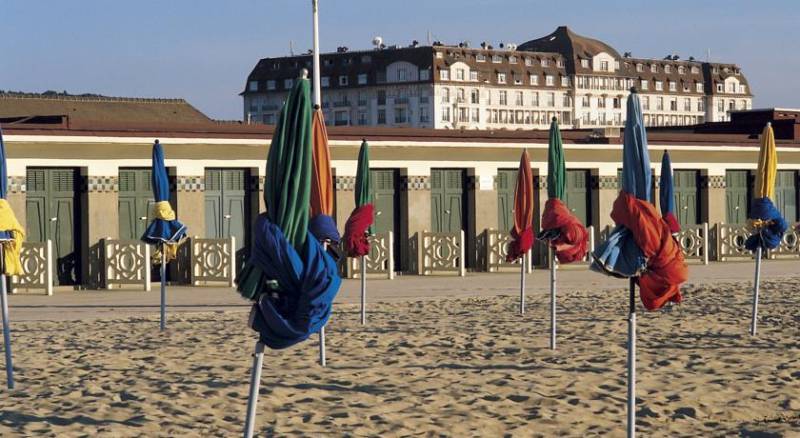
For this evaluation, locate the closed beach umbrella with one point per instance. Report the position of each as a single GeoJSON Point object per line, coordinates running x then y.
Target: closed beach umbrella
{"type": "Point", "coordinates": [666, 192]}
{"type": "Point", "coordinates": [522, 233]}
{"type": "Point", "coordinates": [11, 237]}
{"type": "Point", "coordinates": [321, 220]}
{"type": "Point", "coordinates": [641, 246]}
{"type": "Point", "coordinates": [356, 229]}
{"type": "Point", "coordinates": [565, 234]}
{"type": "Point", "coordinates": [289, 275]}
{"type": "Point", "coordinates": [766, 222]}
{"type": "Point", "coordinates": [165, 231]}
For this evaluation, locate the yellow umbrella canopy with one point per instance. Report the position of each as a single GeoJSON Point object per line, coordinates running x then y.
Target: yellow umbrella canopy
{"type": "Point", "coordinates": [767, 165]}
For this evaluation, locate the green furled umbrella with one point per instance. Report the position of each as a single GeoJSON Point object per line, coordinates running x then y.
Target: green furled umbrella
{"type": "Point", "coordinates": [363, 215]}
{"type": "Point", "coordinates": [556, 166]}
{"type": "Point", "coordinates": [362, 175]}
{"type": "Point", "coordinates": [287, 192]}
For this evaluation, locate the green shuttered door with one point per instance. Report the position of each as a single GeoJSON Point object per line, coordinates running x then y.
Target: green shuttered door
{"type": "Point", "coordinates": [51, 201]}
{"type": "Point", "coordinates": [686, 195]}
{"type": "Point", "coordinates": [786, 194]}
{"type": "Point", "coordinates": [577, 195]}
{"type": "Point", "coordinates": [135, 202]}
{"type": "Point", "coordinates": [227, 207]}
{"type": "Point", "coordinates": [737, 196]}
{"type": "Point", "coordinates": [506, 183]}
{"type": "Point", "coordinates": [386, 199]}
{"type": "Point", "coordinates": [447, 200]}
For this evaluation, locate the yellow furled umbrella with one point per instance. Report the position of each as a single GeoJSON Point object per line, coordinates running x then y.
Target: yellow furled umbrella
{"type": "Point", "coordinates": [767, 165]}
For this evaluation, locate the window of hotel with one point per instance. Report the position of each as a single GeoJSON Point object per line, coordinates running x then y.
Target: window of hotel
{"type": "Point", "coordinates": [567, 101]}
{"type": "Point", "coordinates": [565, 81]}
{"type": "Point", "coordinates": [616, 65]}
{"type": "Point", "coordinates": [402, 75]}
{"type": "Point", "coordinates": [732, 105]}
{"type": "Point", "coordinates": [480, 57]}
{"type": "Point", "coordinates": [518, 100]}
{"type": "Point", "coordinates": [660, 103]}
{"type": "Point", "coordinates": [400, 115]}
{"type": "Point", "coordinates": [473, 76]}
{"type": "Point", "coordinates": [560, 63]}
{"type": "Point", "coordinates": [517, 79]}
{"type": "Point", "coordinates": [445, 95]}
{"type": "Point", "coordinates": [528, 62]}
{"type": "Point", "coordinates": [681, 70]}
{"type": "Point", "coordinates": [439, 55]}
{"type": "Point", "coordinates": [604, 65]}
{"type": "Point", "coordinates": [269, 119]}
{"type": "Point", "coordinates": [423, 114]}
{"type": "Point", "coordinates": [534, 79]}
{"type": "Point", "coordinates": [731, 88]}
{"type": "Point", "coordinates": [551, 99]}
{"type": "Point", "coordinates": [382, 97]}
{"type": "Point", "coordinates": [362, 79]}
{"type": "Point", "coordinates": [277, 66]}
{"type": "Point", "coordinates": [501, 78]}
{"type": "Point", "coordinates": [444, 75]}
{"type": "Point", "coordinates": [474, 96]}
{"type": "Point", "coordinates": [253, 86]}
{"type": "Point", "coordinates": [667, 69]}
{"type": "Point", "coordinates": [673, 86]}
{"type": "Point", "coordinates": [497, 59]}
{"type": "Point", "coordinates": [673, 105]}
{"type": "Point", "coordinates": [445, 113]}
{"type": "Point", "coordinates": [512, 59]}
{"type": "Point", "coordinates": [424, 74]}
{"type": "Point", "coordinates": [640, 67]}
{"type": "Point", "coordinates": [653, 68]}
{"type": "Point", "coordinates": [362, 98]}
{"type": "Point", "coordinates": [343, 80]}
{"type": "Point", "coordinates": [742, 89]}
{"type": "Point", "coordinates": [720, 88]}
{"type": "Point", "coordinates": [645, 84]}
{"type": "Point", "coordinates": [695, 70]}
{"type": "Point", "coordinates": [698, 87]}
{"type": "Point", "coordinates": [659, 86]}
{"type": "Point", "coordinates": [645, 103]}
{"type": "Point", "coordinates": [585, 101]}
{"type": "Point", "coordinates": [460, 74]}
{"type": "Point", "coordinates": [270, 84]}
{"type": "Point", "coordinates": [601, 102]}
{"type": "Point", "coordinates": [687, 104]}
{"type": "Point", "coordinates": [721, 105]}
{"type": "Point", "coordinates": [288, 83]}
{"type": "Point", "coordinates": [585, 63]}
{"type": "Point", "coordinates": [460, 95]}
{"type": "Point", "coordinates": [503, 98]}
{"type": "Point", "coordinates": [617, 102]}
{"type": "Point", "coordinates": [535, 99]}
{"type": "Point", "coordinates": [366, 59]}
{"type": "Point", "coordinates": [381, 116]}
{"type": "Point", "coordinates": [476, 117]}
{"type": "Point", "coordinates": [549, 80]}
{"type": "Point", "coordinates": [700, 105]}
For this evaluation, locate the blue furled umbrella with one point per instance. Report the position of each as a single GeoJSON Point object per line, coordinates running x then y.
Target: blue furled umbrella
{"type": "Point", "coordinates": [666, 191]}
{"type": "Point", "coordinates": [165, 230]}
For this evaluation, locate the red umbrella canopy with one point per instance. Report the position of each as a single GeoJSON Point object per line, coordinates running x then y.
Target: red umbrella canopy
{"type": "Point", "coordinates": [522, 233]}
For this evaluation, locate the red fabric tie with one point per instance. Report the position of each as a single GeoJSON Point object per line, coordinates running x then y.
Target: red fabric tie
{"type": "Point", "coordinates": [355, 231]}
{"type": "Point", "coordinates": [666, 269]}
{"type": "Point", "coordinates": [672, 222]}
{"type": "Point", "coordinates": [570, 245]}
{"type": "Point", "coordinates": [520, 244]}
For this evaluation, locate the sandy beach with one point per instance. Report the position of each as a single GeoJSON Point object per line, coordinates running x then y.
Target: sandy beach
{"type": "Point", "coordinates": [447, 367]}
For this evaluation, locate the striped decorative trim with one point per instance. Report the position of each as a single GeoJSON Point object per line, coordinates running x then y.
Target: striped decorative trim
{"type": "Point", "coordinates": [414, 183]}
{"type": "Point", "coordinates": [344, 183]}
{"type": "Point", "coordinates": [17, 184]}
{"type": "Point", "coordinates": [607, 182]}
{"type": "Point", "coordinates": [190, 184]}
{"type": "Point", "coordinates": [712, 182]}
{"type": "Point", "coordinates": [102, 184]}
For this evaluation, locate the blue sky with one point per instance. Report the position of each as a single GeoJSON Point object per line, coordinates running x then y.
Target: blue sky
{"type": "Point", "coordinates": [202, 50]}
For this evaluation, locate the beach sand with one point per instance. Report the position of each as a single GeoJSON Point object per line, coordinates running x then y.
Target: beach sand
{"type": "Point", "coordinates": [449, 367]}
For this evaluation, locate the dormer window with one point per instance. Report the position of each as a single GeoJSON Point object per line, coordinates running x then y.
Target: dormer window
{"type": "Point", "coordinates": [473, 76]}
{"type": "Point", "coordinates": [288, 83]}
{"type": "Point", "coordinates": [327, 62]}
{"type": "Point", "coordinates": [742, 89]}
{"type": "Point", "coordinates": [501, 78]}
{"type": "Point", "coordinates": [534, 79]}
{"type": "Point", "coordinates": [720, 88]}
{"type": "Point", "coordinates": [659, 86]}
{"type": "Point", "coordinates": [667, 69]}
{"type": "Point", "coordinates": [698, 87]}
{"type": "Point", "coordinates": [673, 86]}
{"type": "Point", "coordinates": [545, 63]}
{"type": "Point", "coordinates": [681, 70]}
{"type": "Point", "coordinates": [497, 59]}
{"type": "Point", "coordinates": [585, 63]}
{"type": "Point", "coordinates": [695, 70]}
{"type": "Point", "coordinates": [460, 74]}
{"type": "Point", "coordinates": [366, 59]}
{"type": "Point", "coordinates": [549, 80]}
{"type": "Point", "coordinates": [645, 84]}
{"type": "Point", "coordinates": [444, 75]}
{"type": "Point", "coordinates": [640, 67]}
{"type": "Point", "coordinates": [604, 65]}
{"type": "Point", "coordinates": [480, 57]}
{"type": "Point", "coordinates": [560, 63]}
{"type": "Point", "coordinates": [325, 81]}
{"type": "Point", "coordinates": [253, 86]}
{"type": "Point", "coordinates": [271, 84]}
{"type": "Point", "coordinates": [616, 65]}
{"type": "Point", "coordinates": [653, 68]}
{"type": "Point", "coordinates": [343, 81]}
{"type": "Point", "coordinates": [528, 62]}
{"type": "Point", "coordinates": [512, 59]}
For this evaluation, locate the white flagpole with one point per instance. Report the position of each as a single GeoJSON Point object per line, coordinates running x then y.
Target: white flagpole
{"type": "Point", "coordinates": [632, 361]}
{"type": "Point", "coordinates": [551, 253]}
{"type": "Point", "coordinates": [163, 286]}
{"type": "Point", "coordinates": [363, 290]}
{"type": "Point", "coordinates": [522, 285]}
{"type": "Point", "coordinates": [255, 383]}
{"type": "Point", "coordinates": [754, 321]}
{"type": "Point", "coordinates": [6, 323]}
{"type": "Point", "coordinates": [316, 72]}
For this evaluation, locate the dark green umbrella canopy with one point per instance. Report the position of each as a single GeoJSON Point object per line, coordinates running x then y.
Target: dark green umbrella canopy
{"type": "Point", "coordinates": [362, 175]}
{"type": "Point", "coordinates": [556, 167]}
{"type": "Point", "coordinates": [287, 192]}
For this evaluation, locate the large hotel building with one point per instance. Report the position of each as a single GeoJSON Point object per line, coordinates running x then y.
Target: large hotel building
{"type": "Point", "coordinates": [581, 81]}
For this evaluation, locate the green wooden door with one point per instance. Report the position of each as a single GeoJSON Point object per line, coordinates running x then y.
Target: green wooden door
{"type": "Point", "coordinates": [51, 202]}
{"type": "Point", "coordinates": [577, 196]}
{"type": "Point", "coordinates": [786, 194]}
{"type": "Point", "coordinates": [737, 196]}
{"type": "Point", "coordinates": [386, 199]}
{"type": "Point", "coordinates": [687, 197]}
{"type": "Point", "coordinates": [506, 183]}
{"type": "Point", "coordinates": [227, 207]}
{"type": "Point", "coordinates": [135, 202]}
{"type": "Point", "coordinates": [447, 200]}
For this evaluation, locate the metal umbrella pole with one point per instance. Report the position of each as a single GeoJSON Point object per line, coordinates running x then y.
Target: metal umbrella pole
{"type": "Point", "coordinates": [323, 361]}
{"type": "Point", "coordinates": [522, 286]}
{"type": "Point", "coordinates": [163, 286]}
{"type": "Point", "coordinates": [255, 383]}
{"type": "Point", "coordinates": [363, 290]}
{"type": "Point", "coordinates": [632, 361]}
{"type": "Point", "coordinates": [754, 321]}
{"type": "Point", "coordinates": [6, 323]}
{"type": "Point", "coordinates": [551, 254]}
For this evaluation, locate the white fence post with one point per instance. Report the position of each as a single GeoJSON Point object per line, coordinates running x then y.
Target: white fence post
{"type": "Point", "coordinates": [147, 267]}
{"type": "Point", "coordinates": [49, 276]}
{"type": "Point", "coordinates": [705, 243]}
{"type": "Point", "coordinates": [462, 260]}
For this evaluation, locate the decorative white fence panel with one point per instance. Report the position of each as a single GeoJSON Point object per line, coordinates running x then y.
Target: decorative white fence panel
{"type": "Point", "coordinates": [126, 262]}
{"type": "Point", "coordinates": [730, 241]}
{"type": "Point", "coordinates": [37, 262]}
{"type": "Point", "coordinates": [212, 260]}
{"type": "Point", "coordinates": [694, 242]}
{"type": "Point", "coordinates": [380, 259]}
{"type": "Point", "coordinates": [440, 252]}
{"type": "Point", "coordinates": [496, 250]}
{"type": "Point", "coordinates": [790, 244]}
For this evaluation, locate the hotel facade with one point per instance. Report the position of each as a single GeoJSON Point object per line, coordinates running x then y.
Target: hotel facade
{"type": "Point", "coordinates": [79, 179]}
{"type": "Point", "coordinates": [582, 82]}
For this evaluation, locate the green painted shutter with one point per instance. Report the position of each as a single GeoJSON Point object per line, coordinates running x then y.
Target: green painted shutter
{"type": "Point", "coordinates": [786, 194]}
{"type": "Point", "coordinates": [736, 196]}
{"type": "Point", "coordinates": [687, 197]}
{"type": "Point", "coordinates": [135, 202]}
{"type": "Point", "coordinates": [506, 183]}
{"type": "Point", "coordinates": [384, 198]}
{"type": "Point", "coordinates": [577, 194]}
{"type": "Point", "coordinates": [227, 207]}
{"type": "Point", "coordinates": [447, 194]}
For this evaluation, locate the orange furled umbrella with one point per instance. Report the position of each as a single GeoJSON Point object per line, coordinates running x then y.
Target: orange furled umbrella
{"type": "Point", "coordinates": [522, 233]}
{"type": "Point", "coordinates": [321, 179]}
